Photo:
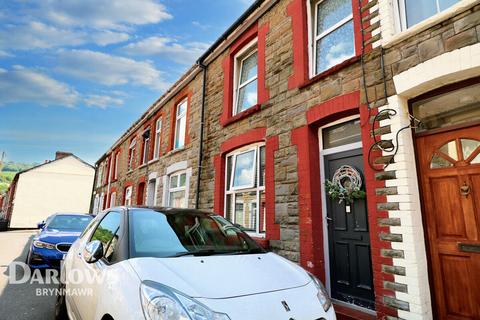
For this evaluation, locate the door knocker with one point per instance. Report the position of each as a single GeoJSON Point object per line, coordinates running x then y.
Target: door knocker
{"type": "Point", "coordinates": [465, 190]}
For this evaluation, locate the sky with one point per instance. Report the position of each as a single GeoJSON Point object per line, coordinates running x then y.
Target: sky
{"type": "Point", "coordinates": [75, 74]}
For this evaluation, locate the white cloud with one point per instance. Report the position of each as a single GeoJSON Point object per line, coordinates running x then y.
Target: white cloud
{"type": "Point", "coordinates": [38, 35]}
{"type": "Point", "coordinates": [5, 54]}
{"type": "Point", "coordinates": [112, 14]}
{"type": "Point", "coordinates": [104, 38]}
{"type": "Point", "coordinates": [170, 48]}
{"type": "Point", "coordinates": [108, 69]}
{"type": "Point", "coordinates": [102, 101]}
{"type": "Point", "coordinates": [21, 84]}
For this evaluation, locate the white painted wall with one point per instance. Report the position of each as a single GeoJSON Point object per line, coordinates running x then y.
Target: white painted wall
{"type": "Point", "coordinates": [63, 185]}
{"type": "Point", "coordinates": [447, 68]}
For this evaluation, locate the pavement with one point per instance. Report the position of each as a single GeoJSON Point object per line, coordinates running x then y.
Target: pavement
{"type": "Point", "coordinates": [22, 301]}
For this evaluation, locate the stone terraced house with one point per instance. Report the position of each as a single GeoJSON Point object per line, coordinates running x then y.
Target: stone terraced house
{"type": "Point", "coordinates": [381, 94]}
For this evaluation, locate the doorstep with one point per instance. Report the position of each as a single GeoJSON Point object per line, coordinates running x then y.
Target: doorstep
{"type": "Point", "coordinates": [346, 313]}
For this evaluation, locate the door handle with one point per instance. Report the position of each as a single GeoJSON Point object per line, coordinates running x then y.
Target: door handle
{"type": "Point", "coordinates": [465, 190]}
{"type": "Point", "coordinates": [329, 219]}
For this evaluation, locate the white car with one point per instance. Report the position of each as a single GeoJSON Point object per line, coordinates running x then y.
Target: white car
{"type": "Point", "coordinates": [169, 264]}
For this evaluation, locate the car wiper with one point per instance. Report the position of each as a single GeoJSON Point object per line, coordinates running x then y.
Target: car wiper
{"type": "Point", "coordinates": [249, 251]}
{"type": "Point", "coordinates": [207, 252]}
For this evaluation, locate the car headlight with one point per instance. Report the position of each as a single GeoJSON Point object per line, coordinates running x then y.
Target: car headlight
{"type": "Point", "coordinates": [160, 302]}
{"type": "Point", "coordinates": [43, 245]}
{"type": "Point", "coordinates": [322, 293]}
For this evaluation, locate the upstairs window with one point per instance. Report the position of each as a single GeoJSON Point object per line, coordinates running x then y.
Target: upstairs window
{"type": "Point", "coordinates": [145, 146]}
{"type": "Point", "coordinates": [412, 12]}
{"type": "Point", "coordinates": [246, 78]}
{"type": "Point", "coordinates": [177, 190]}
{"type": "Point", "coordinates": [158, 137]}
{"type": "Point", "coordinates": [131, 154]}
{"type": "Point", "coordinates": [333, 33]}
{"type": "Point", "coordinates": [115, 166]}
{"type": "Point", "coordinates": [180, 124]}
{"type": "Point", "coordinates": [245, 188]}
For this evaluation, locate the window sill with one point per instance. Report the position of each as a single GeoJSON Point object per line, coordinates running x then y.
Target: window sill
{"type": "Point", "coordinates": [174, 151]}
{"type": "Point", "coordinates": [239, 116]}
{"type": "Point", "coordinates": [143, 165]}
{"type": "Point", "coordinates": [153, 161]}
{"type": "Point", "coordinates": [330, 71]}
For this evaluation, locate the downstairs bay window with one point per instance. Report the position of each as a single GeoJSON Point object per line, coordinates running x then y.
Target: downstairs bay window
{"type": "Point", "coordinates": [245, 188]}
{"type": "Point", "coordinates": [177, 195]}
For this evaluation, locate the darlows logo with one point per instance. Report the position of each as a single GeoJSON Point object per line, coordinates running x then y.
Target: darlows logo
{"type": "Point", "coordinates": [20, 273]}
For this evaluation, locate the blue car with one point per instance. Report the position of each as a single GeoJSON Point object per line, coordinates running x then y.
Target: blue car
{"type": "Point", "coordinates": [56, 236]}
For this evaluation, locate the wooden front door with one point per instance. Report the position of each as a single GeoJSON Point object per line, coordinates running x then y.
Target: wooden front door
{"type": "Point", "coordinates": [349, 240]}
{"type": "Point", "coordinates": [449, 165]}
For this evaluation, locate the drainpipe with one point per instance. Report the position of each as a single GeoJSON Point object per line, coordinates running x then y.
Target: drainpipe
{"type": "Point", "coordinates": [202, 125]}
{"type": "Point", "coordinates": [93, 188]}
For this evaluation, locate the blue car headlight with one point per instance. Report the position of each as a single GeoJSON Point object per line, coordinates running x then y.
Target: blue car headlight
{"type": "Point", "coordinates": [160, 302]}
{"type": "Point", "coordinates": [322, 293]}
{"type": "Point", "coordinates": [43, 245]}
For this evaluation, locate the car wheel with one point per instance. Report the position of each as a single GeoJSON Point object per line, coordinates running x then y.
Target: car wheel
{"type": "Point", "coordinates": [60, 305]}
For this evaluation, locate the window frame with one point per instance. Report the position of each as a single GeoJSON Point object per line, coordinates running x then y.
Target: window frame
{"type": "Point", "coordinates": [177, 119]}
{"type": "Point", "coordinates": [145, 147]}
{"type": "Point", "coordinates": [125, 196]}
{"type": "Point", "coordinates": [113, 196]}
{"type": "Point", "coordinates": [313, 37]}
{"type": "Point", "coordinates": [234, 163]}
{"type": "Point", "coordinates": [131, 153]}
{"type": "Point", "coordinates": [115, 166]}
{"type": "Point", "coordinates": [178, 188]}
{"type": "Point", "coordinates": [157, 138]}
{"type": "Point", "coordinates": [248, 50]}
{"type": "Point", "coordinates": [400, 15]}
{"type": "Point", "coordinates": [259, 189]}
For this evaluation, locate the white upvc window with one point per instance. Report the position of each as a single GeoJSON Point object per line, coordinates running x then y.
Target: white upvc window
{"type": "Point", "coordinates": [332, 38]}
{"type": "Point", "coordinates": [115, 166]}
{"type": "Point", "coordinates": [152, 192]}
{"type": "Point", "coordinates": [96, 204]}
{"type": "Point", "coordinates": [99, 175]}
{"type": "Point", "coordinates": [177, 187]}
{"type": "Point", "coordinates": [113, 199]}
{"type": "Point", "coordinates": [180, 124]}
{"type": "Point", "coordinates": [145, 146]}
{"type": "Point", "coordinates": [131, 153]}
{"type": "Point", "coordinates": [128, 196]}
{"type": "Point", "coordinates": [101, 205]}
{"type": "Point", "coordinates": [412, 12]}
{"type": "Point", "coordinates": [245, 188]}
{"type": "Point", "coordinates": [158, 138]}
{"type": "Point", "coordinates": [246, 78]}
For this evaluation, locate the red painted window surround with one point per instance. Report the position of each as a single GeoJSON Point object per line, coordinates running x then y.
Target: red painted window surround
{"type": "Point", "coordinates": [271, 145]}
{"type": "Point", "coordinates": [185, 93]}
{"type": "Point", "coordinates": [228, 65]}
{"type": "Point", "coordinates": [125, 186]}
{"type": "Point", "coordinates": [114, 167]}
{"type": "Point", "coordinates": [297, 10]}
{"type": "Point", "coordinates": [309, 190]}
{"type": "Point", "coordinates": [112, 190]}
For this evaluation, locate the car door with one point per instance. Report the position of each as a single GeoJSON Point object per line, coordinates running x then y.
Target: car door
{"type": "Point", "coordinates": [107, 232]}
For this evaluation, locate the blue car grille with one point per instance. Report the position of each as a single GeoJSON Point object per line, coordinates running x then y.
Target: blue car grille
{"type": "Point", "coordinates": [63, 247]}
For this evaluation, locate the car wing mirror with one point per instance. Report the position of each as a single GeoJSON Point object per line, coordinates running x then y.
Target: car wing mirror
{"type": "Point", "coordinates": [40, 225]}
{"type": "Point", "coordinates": [93, 251]}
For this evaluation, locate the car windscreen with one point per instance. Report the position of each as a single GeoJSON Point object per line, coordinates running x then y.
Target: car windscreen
{"type": "Point", "coordinates": [75, 223]}
{"type": "Point", "coordinates": [156, 234]}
